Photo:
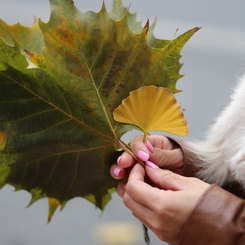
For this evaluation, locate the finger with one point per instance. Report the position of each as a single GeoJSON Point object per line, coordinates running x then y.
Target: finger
{"type": "Point", "coordinates": [140, 211]}
{"type": "Point", "coordinates": [161, 142]}
{"type": "Point", "coordinates": [121, 189]}
{"type": "Point", "coordinates": [140, 191]}
{"type": "Point", "coordinates": [167, 180]}
{"type": "Point", "coordinates": [117, 172]}
{"type": "Point", "coordinates": [139, 148]}
{"type": "Point", "coordinates": [169, 159]}
{"type": "Point", "coordinates": [143, 150]}
{"type": "Point", "coordinates": [137, 145]}
{"type": "Point", "coordinates": [125, 160]}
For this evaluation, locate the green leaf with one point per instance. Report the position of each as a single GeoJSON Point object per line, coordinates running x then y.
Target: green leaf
{"type": "Point", "coordinates": [56, 117]}
{"type": "Point", "coordinates": [29, 38]}
{"type": "Point", "coordinates": [2, 140]}
{"type": "Point", "coordinates": [53, 205]}
{"type": "Point", "coordinates": [118, 11]}
{"type": "Point", "coordinates": [173, 47]}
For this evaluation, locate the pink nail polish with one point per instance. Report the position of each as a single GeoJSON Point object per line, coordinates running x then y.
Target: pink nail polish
{"type": "Point", "coordinates": [151, 164]}
{"type": "Point", "coordinates": [143, 155]}
{"type": "Point", "coordinates": [117, 171]}
{"type": "Point", "coordinates": [149, 146]}
{"type": "Point", "coordinates": [119, 160]}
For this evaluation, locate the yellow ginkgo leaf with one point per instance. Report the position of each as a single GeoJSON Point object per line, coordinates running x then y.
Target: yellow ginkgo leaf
{"type": "Point", "coordinates": [152, 109]}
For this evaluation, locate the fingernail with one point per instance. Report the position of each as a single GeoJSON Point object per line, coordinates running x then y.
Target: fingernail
{"type": "Point", "coordinates": [124, 185]}
{"type": "Point", "coordinates": [149, 146]}
{"type": "Point", "coordinates": [119, 160]}
{"type": "Point", "coordinates": [117, 171]}
{"type": "Point", "coordinates": [151, 164]}
{"type": "Point", "coordinates": [143, 155]}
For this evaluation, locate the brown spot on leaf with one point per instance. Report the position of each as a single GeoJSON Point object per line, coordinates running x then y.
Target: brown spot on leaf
{"type": "Point", "coordinates": [2, 140]}
{"type": "Point", "coordinates": [76, 22]}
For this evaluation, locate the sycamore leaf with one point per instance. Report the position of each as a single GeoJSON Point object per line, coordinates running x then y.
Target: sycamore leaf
{"type": "Point", "coordinates": [29, 38]}
{"type": "Point", "coordinates": [173, 47]}
{"type": "Point", "coordinates": [2, 140]}
{"type": "Point", "coordinates": [151, 109]}
{"type": "Point", "coordinates": [118, 11]}
{"type": "Point", "coordinates": [57, 132]}
{"type": "Point", "coordinates": [37, 59]}
{"type": "Point", "coordinates": [53, 205]}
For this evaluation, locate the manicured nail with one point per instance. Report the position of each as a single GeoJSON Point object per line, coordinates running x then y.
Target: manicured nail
{"type": "Point", "coordinates": [149, 146]}
{"type": "Point", "coordinates": [143, 155]}
{"type": "Point", "coordinates": [151, 164]}
{"type": "Point", "coordinates": [117, 171]}
{"type": "Point", "coordinates": [119, 160]}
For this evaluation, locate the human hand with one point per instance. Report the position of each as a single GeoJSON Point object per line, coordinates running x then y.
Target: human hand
{"type": "Point", "coordinates": [166, 207]}
{"type": "Point", "coordinates": [158, 149]}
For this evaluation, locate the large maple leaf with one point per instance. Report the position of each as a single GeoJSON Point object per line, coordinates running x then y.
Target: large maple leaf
{"type": "Point", "coordinates": [57, 133]}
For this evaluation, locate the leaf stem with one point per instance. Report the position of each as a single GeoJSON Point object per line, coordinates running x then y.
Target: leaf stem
{"type": "Point", "coordinates": [127, 148]}
{"type": "Point", "coordinates": [125, 144]}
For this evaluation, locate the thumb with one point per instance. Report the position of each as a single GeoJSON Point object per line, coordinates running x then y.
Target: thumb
{"type": "Point", "coordinates": [166, 179]}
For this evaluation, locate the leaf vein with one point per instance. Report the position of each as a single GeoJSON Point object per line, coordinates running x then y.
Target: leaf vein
{"type": "Point", "coordinates": [67, 152]}
{"type": "Point", "coordinates": [43, 130]}
{"type": "Point", "coordinates": [30, 116]}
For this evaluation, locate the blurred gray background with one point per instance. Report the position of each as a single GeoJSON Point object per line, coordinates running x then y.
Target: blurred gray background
{"type": "Point", "coordinates": [213, 60]}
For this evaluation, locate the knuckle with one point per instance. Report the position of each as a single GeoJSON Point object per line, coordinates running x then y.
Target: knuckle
{"type": "Point", "coordinates": [167, 173]}
{"type": "Point", "coordinates": [161, 155]}
{"type": "Point", "coordinates": [135, 140]}
{"type": "Point", "coordinates": [160, 211]}
{"type": "Point", "coordinates": [129, 188]}
{"type": "Point", "coordinates": [126, 199]}
{"type": "Point", "coordinates": [156, 227]}
{"type": "Point", "coordinates": [136, 143]}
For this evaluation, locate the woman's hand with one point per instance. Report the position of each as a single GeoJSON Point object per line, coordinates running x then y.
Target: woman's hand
{"type": "Point", "coordinates": [166, 207]}
{"type": "Point", "coordinates": [158, 149]}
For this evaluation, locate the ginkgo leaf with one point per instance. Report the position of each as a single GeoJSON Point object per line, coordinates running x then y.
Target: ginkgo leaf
{"type": "Point", "coordinates": [56, 117]}
{"type": "Point", "coordinates": [151, 108]}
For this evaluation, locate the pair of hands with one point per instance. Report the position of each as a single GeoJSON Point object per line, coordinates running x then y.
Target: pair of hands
{"type": "Point", "coordinates": [158, 195]}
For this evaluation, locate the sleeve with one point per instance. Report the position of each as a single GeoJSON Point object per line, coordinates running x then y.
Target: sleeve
{"type": "Point", "coordinates": [222, 216]}
{"type": "Point", "coordinates": [190, 169]}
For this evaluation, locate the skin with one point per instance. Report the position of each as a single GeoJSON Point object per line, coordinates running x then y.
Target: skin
{"type": "Point", "coordinates": [158, 195]}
